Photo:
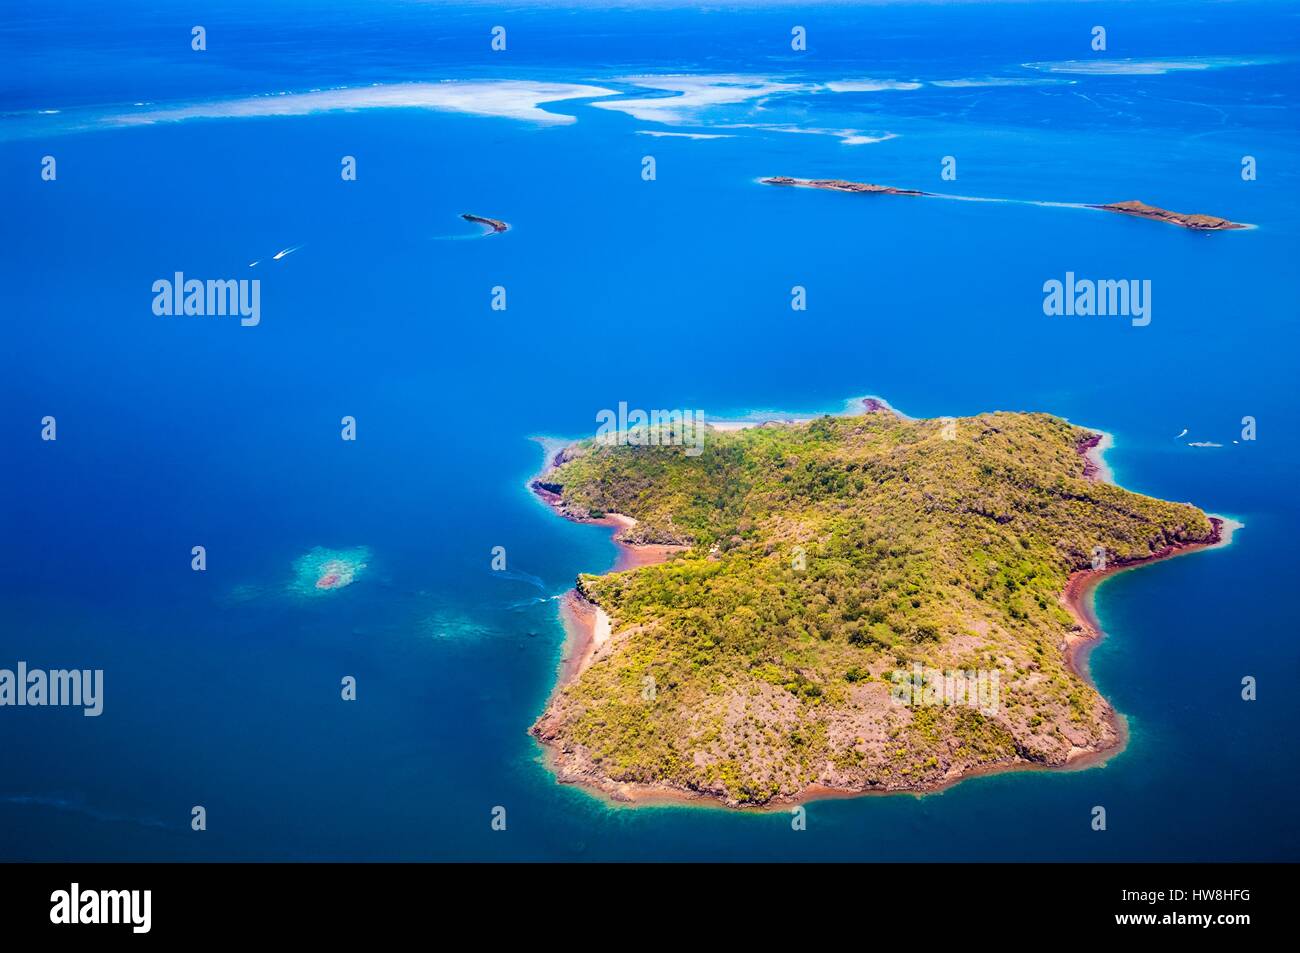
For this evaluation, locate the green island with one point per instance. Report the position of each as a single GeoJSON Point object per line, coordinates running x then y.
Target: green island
{"type": "Point", "coordinates": [811, 562]}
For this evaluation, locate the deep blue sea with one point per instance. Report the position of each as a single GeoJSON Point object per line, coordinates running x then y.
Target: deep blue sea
{"type": "Point", "coordinates": [222, 687]}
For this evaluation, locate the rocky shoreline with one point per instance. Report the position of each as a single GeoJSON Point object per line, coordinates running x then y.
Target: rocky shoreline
{"type": "Point", "coordinates": [1092, 448]}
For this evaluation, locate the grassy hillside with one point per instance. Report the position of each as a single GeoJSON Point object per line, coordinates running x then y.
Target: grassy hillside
{"type": "Point", "coordinates": [825, 557]}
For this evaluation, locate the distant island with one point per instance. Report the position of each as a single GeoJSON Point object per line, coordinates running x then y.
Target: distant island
{"type": "Point", "coordinates": [495, 225]}
{"type": "Point", "coordinates": [840, 185]}
{"type": "Point", "coordinates": [789, 605]}
{"type": "Point", "coordinates": [1196, 222]}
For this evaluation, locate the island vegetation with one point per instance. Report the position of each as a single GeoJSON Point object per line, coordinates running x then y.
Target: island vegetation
{"type": "Point", "coordinates": [806, 564]}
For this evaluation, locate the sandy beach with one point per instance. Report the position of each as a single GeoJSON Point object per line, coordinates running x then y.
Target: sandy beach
{"type": "Point", "coordinates": [587, 627]}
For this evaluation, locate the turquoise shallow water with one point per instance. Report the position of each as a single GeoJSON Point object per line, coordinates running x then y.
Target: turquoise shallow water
{"type": "Point", "coordinates": [222, 687]}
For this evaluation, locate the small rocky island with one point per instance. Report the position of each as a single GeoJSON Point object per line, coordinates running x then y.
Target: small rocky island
{"type": "Point", "coordinates": [492, 224]}
{"type": "Point", "coordinates": [1197, 222]}
{"type": "Point", "coordinates": [840, 185]}
{"type": "Point", "coordinates": [796, 571]}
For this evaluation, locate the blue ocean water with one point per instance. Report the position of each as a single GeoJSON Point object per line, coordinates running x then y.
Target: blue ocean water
{"type": "Point", "coordinates": [222, 687]}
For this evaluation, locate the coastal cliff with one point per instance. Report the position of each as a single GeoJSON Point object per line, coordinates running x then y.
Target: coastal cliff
{"type": "Point", "coordinates": [756, 658]}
